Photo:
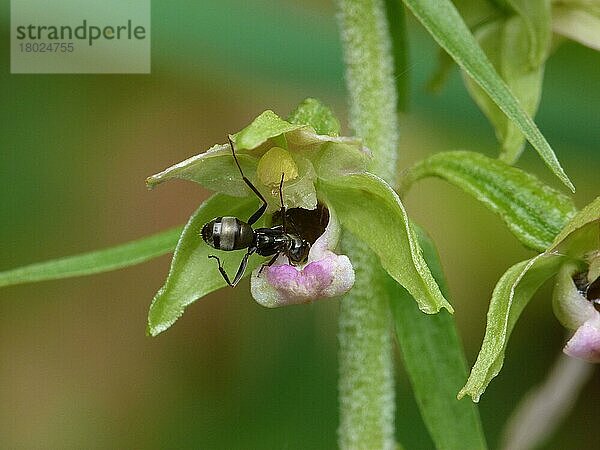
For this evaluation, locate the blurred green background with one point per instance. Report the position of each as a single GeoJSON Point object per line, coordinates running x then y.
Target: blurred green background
{"type": "Point", "coordinates": [76, 369]}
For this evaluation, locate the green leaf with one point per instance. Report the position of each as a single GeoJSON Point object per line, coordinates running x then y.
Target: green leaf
{"type": "Point", "coordinates": [266, 126]}
{"type": "Point", "coordinates": [475, 14]}
{"type": "Point", "coordinates": [193, 274]}
{"type": "Point", "coordinates": [315, 114]}
{"type": "Point", "coordinates": [511, 295]}
{"type": "Point", "coordinates": [215, 170]}
{"type": "Point", "coordinates": [507, 45]}
{"type": "Point", "coordinates": [98, 261]}
{"type": "Point", "coordinates": [372, 211]}
{"type": "Point", "coordinates": [436, 365]}
{"type": "Point", "coordinates": [444, 23]}
{"type": "Point", "coordinates": [534, 212]}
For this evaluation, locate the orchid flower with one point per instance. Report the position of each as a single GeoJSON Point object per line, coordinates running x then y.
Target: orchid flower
{"type": "Point", "coordinates": [574, 258]}
{"type": "Point", "coordinates": [322, 171]}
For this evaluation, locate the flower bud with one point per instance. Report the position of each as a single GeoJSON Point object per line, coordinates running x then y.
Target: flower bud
{"type": "Point", "coordinates": [575, 304]}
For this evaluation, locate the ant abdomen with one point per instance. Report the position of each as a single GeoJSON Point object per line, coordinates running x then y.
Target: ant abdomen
{"type": "Point", "coordinates": [227, 233]}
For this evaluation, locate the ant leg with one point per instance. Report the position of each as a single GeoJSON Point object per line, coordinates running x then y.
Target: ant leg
{"type": "Point", "coordinates": [240, 271]}
{"type": "Point", "coordinates": [257, 215]}
{"type": "Point", "coordinates": [270, 263]}
{"type": "Point", "coordinates": [242, 268]}
{"type": "Point", "coordinates": [223, 273]}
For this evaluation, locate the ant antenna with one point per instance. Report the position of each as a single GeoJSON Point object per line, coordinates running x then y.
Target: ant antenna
{"type": "Point", "coordinates": [282, 210]}
{"type": "Point", "coordinates": [235, 157]}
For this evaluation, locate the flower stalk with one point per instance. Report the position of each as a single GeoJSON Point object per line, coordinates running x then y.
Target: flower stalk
{"type": "Point", "coordinates": [366, 378]}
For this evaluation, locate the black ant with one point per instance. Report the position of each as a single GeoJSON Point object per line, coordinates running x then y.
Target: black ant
{"type": "Point", "coordinates": [230, 233]}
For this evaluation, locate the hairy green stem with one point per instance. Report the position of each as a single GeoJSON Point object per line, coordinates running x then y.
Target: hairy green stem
{"type": "Point", "coordinates": [366, 378]}
{"type": "Point", "coordinates": [366, 365]}
{"type": "Point", "coordinates": [370, 80]}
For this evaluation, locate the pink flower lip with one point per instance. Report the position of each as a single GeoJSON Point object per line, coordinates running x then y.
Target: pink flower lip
{"type": "Point", "coordinates": [316, 276]}
{"type": "Point", "coordinates": [283, 284]}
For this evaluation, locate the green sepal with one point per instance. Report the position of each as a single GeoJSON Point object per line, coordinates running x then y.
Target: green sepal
{"type": "Point", "coordinates": [511, 294]}
{"type": "Point", "coordinates": [192, 274]}
{"type": "Point", "coordinates": [533, 211]}
{"type": "Point", "coordinates": [570, 307]}
{"type": "Point", "coordinates": [582, 234]}
{"type": "Point", "coordinates": [373, 212]}
{"type": "Point", "coordinates": [266, 126]}
{"type": "Point", "coordinates": [214, 169]}
{"type": "Point", "coordinates": [435, 363]}
{"type": "Point", "coordinates": [445, 24]}
{"type": "Point", "coordinates": [312, 123]}
{"type": "Point", "coordinates": [315, 114]}
{"type": "Point", "coordinates": [594, 266]}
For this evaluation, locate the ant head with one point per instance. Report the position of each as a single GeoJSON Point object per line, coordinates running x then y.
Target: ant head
{"type": "Point", "coordinates": [299, 253]}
